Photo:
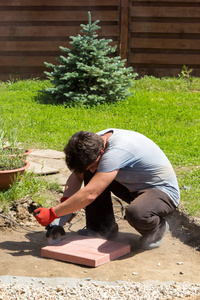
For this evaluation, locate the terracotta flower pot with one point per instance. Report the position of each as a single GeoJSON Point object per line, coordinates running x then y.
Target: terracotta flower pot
{"type": "Point", "coordinates": [8, 177]}
{"type": "Point", "coordinates": [28, 151]}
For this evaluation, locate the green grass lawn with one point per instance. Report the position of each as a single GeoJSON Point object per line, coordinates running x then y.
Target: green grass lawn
{"type": "Point", "coordinates": [166, 110]}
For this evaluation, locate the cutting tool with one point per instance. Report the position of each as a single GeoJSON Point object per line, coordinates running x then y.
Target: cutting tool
{"type": "Point", "coordinates": [55, 231]}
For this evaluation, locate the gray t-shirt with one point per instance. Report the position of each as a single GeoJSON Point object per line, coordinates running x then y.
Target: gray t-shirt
{"type": "Point", "coordinates": [141, 163]}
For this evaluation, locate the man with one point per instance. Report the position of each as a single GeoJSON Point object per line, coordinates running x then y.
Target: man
{"type": "Point", "coordinates": [129, 165]}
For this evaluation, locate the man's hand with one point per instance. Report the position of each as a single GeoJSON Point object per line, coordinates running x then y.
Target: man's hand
{"type": "Point", "coordinates": [44, 215]}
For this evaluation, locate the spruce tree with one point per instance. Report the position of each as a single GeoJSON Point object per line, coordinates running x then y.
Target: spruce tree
{"type": "Point", "coordinates": [89, 73]}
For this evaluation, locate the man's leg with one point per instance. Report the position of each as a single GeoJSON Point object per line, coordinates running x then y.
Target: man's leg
{"type": "Point", "coordinates": [146, 214]}
{"type": "Point", "coordinates": [99, 214]}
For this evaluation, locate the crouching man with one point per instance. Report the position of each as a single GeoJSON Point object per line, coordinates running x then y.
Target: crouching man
{"type": "Point", "coordinates": [129, 165]}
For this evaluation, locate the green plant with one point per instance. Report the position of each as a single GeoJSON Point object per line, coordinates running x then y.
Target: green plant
{"type": "Point", "coordinates": [10, 161]}
{"type": "Point", "coordinates": [12, 138]}
{"type": "Point", "coordinates": [10, 151]}
{"type": "Point", "coordinates": [11, 157]}
{"type": "Point", "coordinates": [91, 73]}
{"type": "Point", "coordinates": [186, 73]}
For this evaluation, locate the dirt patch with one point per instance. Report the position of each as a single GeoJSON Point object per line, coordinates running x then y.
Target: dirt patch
{"type": "Point", "coordinates": [178, 259]}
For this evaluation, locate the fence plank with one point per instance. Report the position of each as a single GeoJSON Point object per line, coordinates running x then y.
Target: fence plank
{"type": "Point", "coordinates": [30, 16]}
{"type": "Point", "coordinates": [175, 12]}
{"type": "Point", "coordinates": [43, 31]}
{"type": "Point", "coordinates": [69, 3]}
{"type": "Point", "coordinates": [166, 59]}
{"type": "Point", "coordinates": [161, 70]}
{"type": "Point", "coordinates": [26, 61]}
{"type": "Point", "coordinates": [84, 2]}
{"type": "Point", "coordinates": [161, 27]}
{"type": "Point", "coordinates": [32, 46]}
{"type": "Point", "coordinates": [191, 2]}
{"type": "Point", "coordinates": [35, 46]}
{"type": "Point", "coordinates": [165, 43]}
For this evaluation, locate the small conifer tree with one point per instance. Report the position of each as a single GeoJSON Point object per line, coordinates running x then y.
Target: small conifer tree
{"type": "Point", "coordinates": [89, 73]}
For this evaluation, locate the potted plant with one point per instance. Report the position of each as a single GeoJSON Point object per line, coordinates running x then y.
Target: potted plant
{"type": "Point", "coordinates": [11, 169]}
{"type": "Point", "coordinates": [12, 162]}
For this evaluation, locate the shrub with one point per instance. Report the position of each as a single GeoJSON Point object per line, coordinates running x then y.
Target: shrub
{"type": "Point", "coordinates": [90, 73]}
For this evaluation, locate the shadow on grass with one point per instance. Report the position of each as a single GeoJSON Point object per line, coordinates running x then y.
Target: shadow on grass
{"type": "Point", "coordinates": [43, 98]}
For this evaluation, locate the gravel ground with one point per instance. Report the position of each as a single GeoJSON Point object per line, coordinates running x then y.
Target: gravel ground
{"type": "Point", "coordinates": [14, 288]}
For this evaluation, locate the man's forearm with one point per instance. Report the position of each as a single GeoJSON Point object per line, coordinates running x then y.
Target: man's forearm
{"type": "Point", "coordinates": [76, 199]}
{"type": "Point", "coordinates": [87, 194]}
{"type": "Point", "coordinates": [76, 202]}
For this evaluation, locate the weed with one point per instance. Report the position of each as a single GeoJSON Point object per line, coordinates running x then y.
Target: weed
{"type": "Point", "coordinates": [186, 73]}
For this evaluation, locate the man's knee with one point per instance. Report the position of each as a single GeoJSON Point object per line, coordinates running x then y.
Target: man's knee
{"type": "Point", "coordinates": [134, 215]}
{"type": "Point", "coordinates": [141, 219]}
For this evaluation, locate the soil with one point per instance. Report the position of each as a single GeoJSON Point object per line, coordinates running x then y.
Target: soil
{"type": "Point", "coordinates": [178, 259]}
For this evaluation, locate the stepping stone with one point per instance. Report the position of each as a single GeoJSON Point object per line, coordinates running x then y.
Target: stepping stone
{"type": "Point", "coordinates": [88, 251]}
{"type": "Point", "coordinates": [48, 153]}
{"type": "Point", "coordinates": [41, 169]}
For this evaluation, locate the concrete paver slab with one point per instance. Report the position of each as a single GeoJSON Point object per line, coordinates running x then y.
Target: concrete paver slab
{"type": "Point", "coordinates": [89, 251]}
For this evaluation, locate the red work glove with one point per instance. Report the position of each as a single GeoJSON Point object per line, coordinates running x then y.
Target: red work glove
{"type": "Point", "coordinates": [63, 199]}
{"type": "Point", "coordinates": [44, 215]}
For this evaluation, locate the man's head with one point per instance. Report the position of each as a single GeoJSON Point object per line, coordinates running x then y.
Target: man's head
{"type": "Point", "coordinates": [82, 150]}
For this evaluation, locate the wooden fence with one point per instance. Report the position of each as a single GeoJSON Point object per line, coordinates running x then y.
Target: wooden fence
{"type": "Point", "coordinates": [164, 35]}
{"type": "Point", "coordinates": [31, 31]}
{"type": "Point", "coordinates": [156, 37]}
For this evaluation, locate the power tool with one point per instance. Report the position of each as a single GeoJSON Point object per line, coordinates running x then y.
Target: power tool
{"type": "Point", "coordinates": [55, 230]}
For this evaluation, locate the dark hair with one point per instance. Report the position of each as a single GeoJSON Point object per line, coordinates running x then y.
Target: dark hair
{"type": "Point", "coordinates": [82, 149]}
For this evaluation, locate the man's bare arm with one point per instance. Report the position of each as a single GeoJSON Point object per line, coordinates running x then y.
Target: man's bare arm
{"type": "Point", "coordinates": [86, 195]}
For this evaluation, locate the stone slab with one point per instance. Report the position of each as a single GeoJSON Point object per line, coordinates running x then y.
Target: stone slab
{"type": "Point", "coordinates": [88, 251]}
{"type": "Point", "coordinates": [41, 169]}
{"type": "Point", "coordinates": [48, 153]}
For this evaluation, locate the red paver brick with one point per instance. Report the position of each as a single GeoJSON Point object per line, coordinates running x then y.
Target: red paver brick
{"type": "Point", "coordinates": [87, 251]}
